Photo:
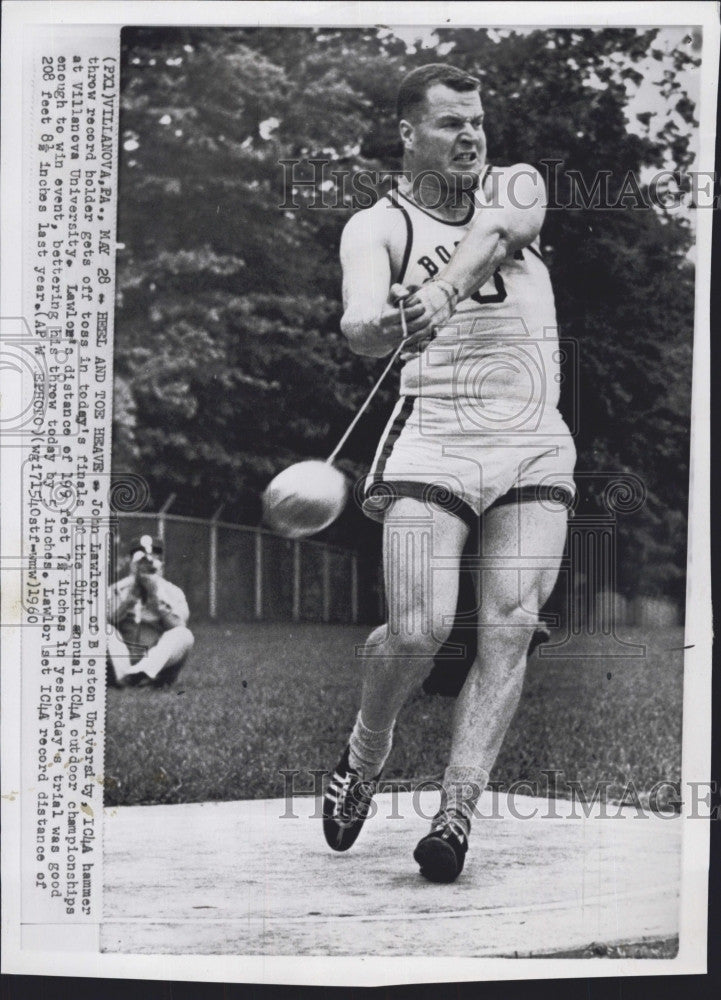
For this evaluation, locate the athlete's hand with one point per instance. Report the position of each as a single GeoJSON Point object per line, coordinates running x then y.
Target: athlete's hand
{"type": "Point", "coordinates": [389, 325]}
{"type": "Point", "coordinates": [379, 335]}
{"type": "Point", "coordinates": [417, 332]}
{"type": "Point", "coordinates": [399, 293]}
{"type": "Point", "coordinates": [438, 303]}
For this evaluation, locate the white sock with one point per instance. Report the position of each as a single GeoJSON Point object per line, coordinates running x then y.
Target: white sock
{"type": "Point", "coordinates": [462, 788]}
{"type": "Point", "coordinates": [369, 749]}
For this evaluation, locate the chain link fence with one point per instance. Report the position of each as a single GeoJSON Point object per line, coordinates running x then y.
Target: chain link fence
{"type": "Point", "coordinates": [232, 572]}
{"type": "Point", "coordinates": [237, 573]}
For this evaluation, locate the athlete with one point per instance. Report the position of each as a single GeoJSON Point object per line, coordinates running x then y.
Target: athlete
{"type": "Point", "coordinates": [450, 260]}
{"type": "Point", "coordinates": [150, 639]}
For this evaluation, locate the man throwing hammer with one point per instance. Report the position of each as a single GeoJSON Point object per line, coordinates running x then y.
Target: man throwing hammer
{"type": "Point", "coordinates": [450, 258]}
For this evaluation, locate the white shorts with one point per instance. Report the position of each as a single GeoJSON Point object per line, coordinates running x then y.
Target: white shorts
{"type": "Point", "coordinates": [433, 449]}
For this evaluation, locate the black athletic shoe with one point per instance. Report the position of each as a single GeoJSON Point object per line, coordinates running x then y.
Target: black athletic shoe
{"type": "Point", "coordinates": [442, 853]}
{"type": "Point", "coordinates": [346, 804]}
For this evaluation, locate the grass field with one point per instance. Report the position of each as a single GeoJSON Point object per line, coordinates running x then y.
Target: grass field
{"type": "Point", "coordinates": [256, 699]}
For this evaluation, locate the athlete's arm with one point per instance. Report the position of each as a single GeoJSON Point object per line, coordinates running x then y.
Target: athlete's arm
{"type": "Point", "coordinates": [512, 221]}
{"type": "Point", "coordinates": [500, 229]}
{"type": "Point", "coordinates": [371, 324]}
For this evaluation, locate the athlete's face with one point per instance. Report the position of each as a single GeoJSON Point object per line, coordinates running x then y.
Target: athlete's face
{"type": "Point", "coordinates": [446, 133]}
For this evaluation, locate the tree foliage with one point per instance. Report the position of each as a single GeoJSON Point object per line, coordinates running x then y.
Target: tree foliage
{"type": "Point", "coordinates": [229, 360]}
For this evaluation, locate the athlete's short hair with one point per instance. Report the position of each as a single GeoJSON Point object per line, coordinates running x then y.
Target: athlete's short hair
{"type": "Point", "coordinates": [416, 84]}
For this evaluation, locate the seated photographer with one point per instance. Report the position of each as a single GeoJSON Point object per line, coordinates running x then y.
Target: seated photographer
{"type": "Point", "coordinates": [150, 640]}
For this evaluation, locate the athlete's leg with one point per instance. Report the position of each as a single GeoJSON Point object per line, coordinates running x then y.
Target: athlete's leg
{"type": "Point", "coordinates": [421, 598]}
{"type": "Point", "coordinates": [522, 549]}
{"type": "Point", "coordinates": [422, 547]}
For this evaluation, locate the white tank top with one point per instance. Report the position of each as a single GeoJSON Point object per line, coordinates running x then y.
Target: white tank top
{"type": "Point", "coordinates": [501, 344]}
